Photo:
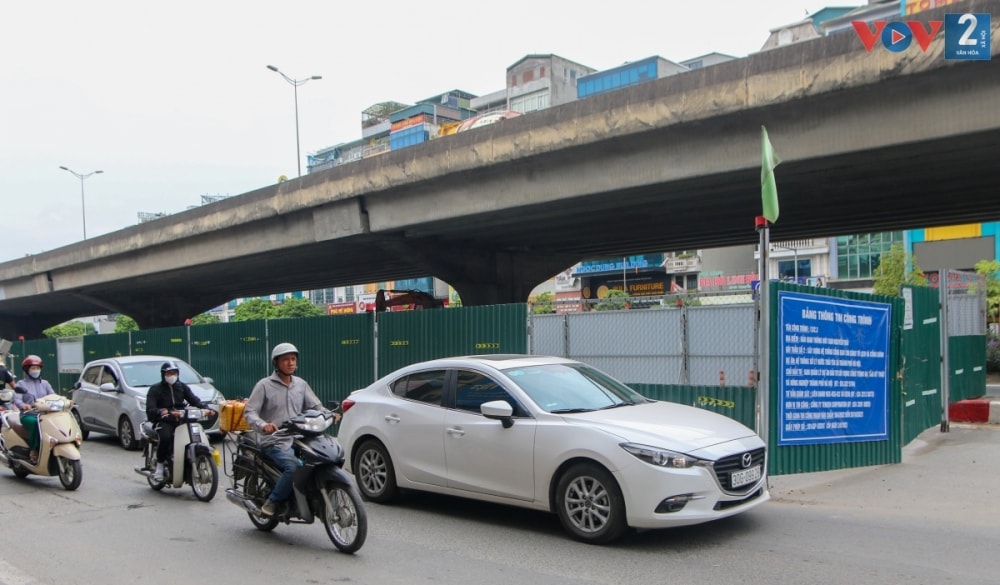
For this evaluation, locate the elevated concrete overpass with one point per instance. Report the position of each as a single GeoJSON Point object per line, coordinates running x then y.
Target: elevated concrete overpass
{"type": "Point", "coordinates": [869, 142]}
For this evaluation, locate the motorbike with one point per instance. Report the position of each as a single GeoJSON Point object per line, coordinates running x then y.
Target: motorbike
{"type": "Point", "coordinates": [320, 488]}
{"type": "Point", "coordinates": [199, 464]}
{"type": "Point", "coordinates": [59, 451]}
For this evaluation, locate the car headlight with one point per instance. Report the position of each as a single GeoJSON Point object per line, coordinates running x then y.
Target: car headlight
{"type": "Point", "coordinates": [218, 398]}
{"type": "Point", "coordinates": [141, 402]}
{"type": "Point", "coordinates": [660, 457]}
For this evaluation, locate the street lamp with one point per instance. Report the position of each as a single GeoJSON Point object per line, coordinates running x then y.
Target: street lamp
{"type": "Point", "coordinates": [295, 83]}
{"type": "Point", "coordinates": [83, 201]}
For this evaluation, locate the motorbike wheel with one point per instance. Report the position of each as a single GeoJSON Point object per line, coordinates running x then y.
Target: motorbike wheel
{"type": "Point", "coordinates": [374, 472]}
{"type": "Point", "coordinates": [70, 473]}
{"type": "Point", "coordinates": [20, 471]}
{"type": "Point", "coordinates": [149, 457]}
{"type": "Point", "coordinates": [204, 477]}
{"type": "Point", "coordinates": [346, 522]}
{"type": "Point", "coordinates": [258, 489]}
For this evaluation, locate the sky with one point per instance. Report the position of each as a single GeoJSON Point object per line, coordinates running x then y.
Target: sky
{"type": "Point", "coordinates": [173, 100]}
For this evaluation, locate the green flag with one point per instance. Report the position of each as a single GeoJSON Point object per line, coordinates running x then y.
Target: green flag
{"type": "Point", "coordinates": [768, 188]}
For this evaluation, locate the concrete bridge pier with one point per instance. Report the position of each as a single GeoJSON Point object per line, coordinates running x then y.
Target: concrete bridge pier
{"type": "Point", "coordinates": [491, 277]}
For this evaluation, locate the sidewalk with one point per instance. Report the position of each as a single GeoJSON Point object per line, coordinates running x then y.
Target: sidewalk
{"type": "Point", "coordinates": [985, 409]}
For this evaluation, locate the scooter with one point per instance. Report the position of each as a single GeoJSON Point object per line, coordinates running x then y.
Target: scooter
{"type": "Point", "coordinates": [320, 486]}
{"type": "Point", "coordinates": [59, 451]}
{"type": "Point", "coordinates": [199, 466]}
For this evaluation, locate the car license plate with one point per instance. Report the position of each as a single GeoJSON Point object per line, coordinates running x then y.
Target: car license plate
{"type": "Point", "coordinates": [740, 478]}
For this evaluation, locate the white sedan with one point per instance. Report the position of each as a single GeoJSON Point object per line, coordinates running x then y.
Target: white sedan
{"type": "Point", "coordinates": [550, 434]}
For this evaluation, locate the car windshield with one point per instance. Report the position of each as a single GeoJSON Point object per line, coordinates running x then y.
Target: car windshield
{"type": "Point", "coordinates": [140, 374]}
{"type": "Point", "coordinates": [566, 388]}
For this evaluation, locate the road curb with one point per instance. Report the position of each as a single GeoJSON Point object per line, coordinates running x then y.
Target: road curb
{"type": "Point", "coordinates": [976, 410]}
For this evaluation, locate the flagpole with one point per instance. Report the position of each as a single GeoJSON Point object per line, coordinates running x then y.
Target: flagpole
{"type": "Point", "coordinates": [763, 332]}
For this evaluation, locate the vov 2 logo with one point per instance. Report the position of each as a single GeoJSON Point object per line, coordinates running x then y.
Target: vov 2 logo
{"type": "Point", "coordinates": [966, 36]}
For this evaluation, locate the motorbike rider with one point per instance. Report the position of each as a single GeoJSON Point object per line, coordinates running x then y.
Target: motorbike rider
{"type": "Point", "coordinates": [162, 401]}
{"type": "Point", "coordinates": [34, 388]}
{"type": "Point", "coordinates": [6, 378]}
{"type": "Point", "coordinates": [273, 401]}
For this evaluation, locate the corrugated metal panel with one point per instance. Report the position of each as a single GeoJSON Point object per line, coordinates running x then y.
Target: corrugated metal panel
{"type": "Point", "coordinates": [639, 345]}
{"type": "Point", "coordinates": [921, 364]}
{"type": "Point", "coordinates": [406, 337]}
{"type": "Point", "coordinates": [967, 361]}
{"type": "Point", "coordinates": [788, 459]}
{"type": "Point", "coordinates": [168, 341]}
{"type": "Point", "coordinates": [335, 353]}
{"type": "Point", "coordinates": [720, 342]}
{"type": "Point", "coordinates": [739, 404]}
{"type": "Point", "coordinates": [45, 349]}
{"type": "Point", "coordinates": [96, 347]}
{"type": "Point", "coordinates": [548, 335]}
{"type": "Point", "coordinates": [234, 355]}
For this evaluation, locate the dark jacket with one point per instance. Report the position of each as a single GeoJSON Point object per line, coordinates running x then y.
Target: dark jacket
{"type": "Point", "coordinates": [162, 396]}
{"type": "Point", "coordinates": [5, 376]}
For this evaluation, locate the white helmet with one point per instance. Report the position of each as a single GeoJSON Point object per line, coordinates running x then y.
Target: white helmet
{"type": "Point", "coordinates": [282, 349]}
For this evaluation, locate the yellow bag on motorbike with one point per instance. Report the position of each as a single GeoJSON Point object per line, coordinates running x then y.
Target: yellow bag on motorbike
{"type": "Point", "coordinates": [231, 418]}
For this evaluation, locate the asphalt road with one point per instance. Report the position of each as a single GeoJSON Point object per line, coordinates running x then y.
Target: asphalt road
{"type": "Point", "coordinates": [933, 519]}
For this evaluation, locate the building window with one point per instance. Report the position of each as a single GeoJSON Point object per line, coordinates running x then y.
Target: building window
{"type": "Point", "coordinates": [530, 103]}
{"type": "Point", "coordinates": [788, 273]}
{"type": "Point", "coordinates": [859, 255]}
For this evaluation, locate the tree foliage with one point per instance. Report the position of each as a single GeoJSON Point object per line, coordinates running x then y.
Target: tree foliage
{"type": "Point", "coordinates": [990, 269]}
{"type": "Point", "coordinates": [255, 310]}
{"type": "Point", "coordinates": [124, 324]}
{"type": "Point", "coordinates": [544, 304]}
{"type": "Point", "coordinates": [616, 300]}
{"type": "Point", "coordinates": [298, 307]}
{"type": "Point", "coordinates": [893, 272]}
{"type": "Point", "coordinates": [70, 329]}
{"type": "Point", "coordinates": [205, 319]}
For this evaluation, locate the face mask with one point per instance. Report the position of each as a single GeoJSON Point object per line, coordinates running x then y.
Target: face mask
{"type": "Point", "coordinates": [170, 379]}
{"type": "Point", "coordinates": [34, 372]}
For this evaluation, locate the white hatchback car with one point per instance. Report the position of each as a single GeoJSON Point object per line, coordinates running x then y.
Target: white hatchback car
{"type": "Point", "coordinates": [550, 434]}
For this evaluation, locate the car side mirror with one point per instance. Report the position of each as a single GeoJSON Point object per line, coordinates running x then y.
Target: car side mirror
{"type": "Point", "coordinates": [209, 380]}
{"type": "Point", "coordinates": [77, 385]}
{"type": "Point", "coordinates": [108, 387]}
{"type": "Point", "coordinates": [499, 410]}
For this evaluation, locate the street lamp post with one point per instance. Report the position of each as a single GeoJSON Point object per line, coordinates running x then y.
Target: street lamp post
{"type": "Point", "coordinates": [83, 201]}
{"type": "Point", "coordinates": [295, 84]}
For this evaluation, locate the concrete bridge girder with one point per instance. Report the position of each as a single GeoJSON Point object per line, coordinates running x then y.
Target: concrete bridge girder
{"type": "Point", "coordinates": [667, 165]}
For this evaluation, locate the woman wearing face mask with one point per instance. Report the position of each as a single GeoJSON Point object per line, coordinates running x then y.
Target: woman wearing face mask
{"type": "Point", "coordinates": [162, 401]}
{"type": "Point", "coordinates": [34, 388]}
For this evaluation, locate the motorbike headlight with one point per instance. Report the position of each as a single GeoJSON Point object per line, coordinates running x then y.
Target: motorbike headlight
{"type": "Point", "coordinates": [660, 457]}
{"type": "Point", "coordinates": [315, 424]}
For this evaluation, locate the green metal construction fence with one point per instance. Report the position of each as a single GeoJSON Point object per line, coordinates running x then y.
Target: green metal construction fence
{"type": "Point", "coordinates": [340, 354]}
{"type": "Point", "coordinates": [787, 459]}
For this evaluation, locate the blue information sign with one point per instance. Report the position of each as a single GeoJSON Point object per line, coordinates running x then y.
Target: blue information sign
{"type": "Point", "coordinates": [833, 381]}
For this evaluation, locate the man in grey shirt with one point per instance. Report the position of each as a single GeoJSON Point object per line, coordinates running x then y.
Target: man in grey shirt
{"type": "Point", "coordinates": [274, 400]}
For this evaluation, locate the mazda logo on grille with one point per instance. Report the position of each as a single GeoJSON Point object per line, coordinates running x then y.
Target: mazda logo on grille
{"type": "Point", "coordinates": [747, 460]}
